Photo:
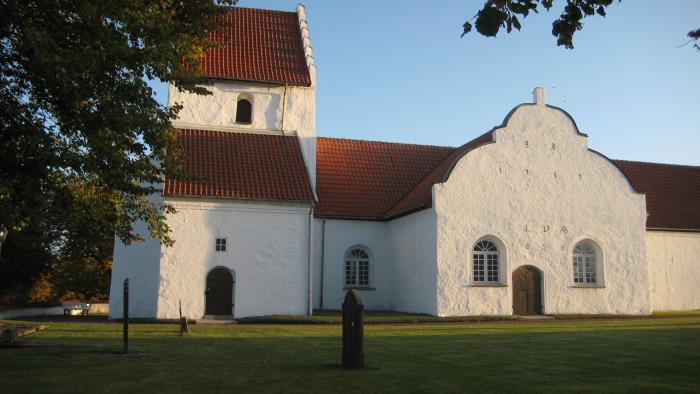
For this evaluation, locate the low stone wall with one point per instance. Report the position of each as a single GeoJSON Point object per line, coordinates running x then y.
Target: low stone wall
{"type": "Point", "coordinates": [26, 312]}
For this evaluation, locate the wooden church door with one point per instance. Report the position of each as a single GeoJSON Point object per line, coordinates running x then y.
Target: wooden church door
{"type": "Point", "coordinates": [219, 293]}
{"type": "Point", "coordinates": [527, 291]}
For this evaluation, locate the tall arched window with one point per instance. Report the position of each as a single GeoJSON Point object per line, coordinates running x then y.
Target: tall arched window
{"type": "Point", "coordinates": [485, 260]}
{"type": "Point", "coordinates": [244, 111]}
{"type": "Point", "coordinates": [585, 269]}
{"type": "Point", "coordinates": [357, 267]}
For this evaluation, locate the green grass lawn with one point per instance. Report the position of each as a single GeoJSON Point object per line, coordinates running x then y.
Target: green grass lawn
{"type": "Point", "coordinates": [639, 355]}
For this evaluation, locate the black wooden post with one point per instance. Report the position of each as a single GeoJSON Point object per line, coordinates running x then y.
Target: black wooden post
{"type": "Point", "coordinates": [183, 322]}
{"type": "Point", "coordinates": [353, 331]}
{"type": "Point", "coordinates": [126, 316]}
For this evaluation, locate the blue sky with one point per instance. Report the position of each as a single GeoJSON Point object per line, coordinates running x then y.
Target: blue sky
{"type": "Point", "coordinates": [398, 71]}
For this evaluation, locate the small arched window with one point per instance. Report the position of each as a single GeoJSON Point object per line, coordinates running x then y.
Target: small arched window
{"type": "Point", "coordinates": [585, 270]}
{"type": "Point", "coordinates": [485, 260]}
{"type": "Point", "coordinates": [356, 267]}
{"type": "Point", "coordinates": [244, 111]}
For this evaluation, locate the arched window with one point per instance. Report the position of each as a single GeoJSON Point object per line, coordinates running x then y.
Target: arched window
{"type": "Point", "coordinates": [485, 259]}
{"type": "Point", "coordinates": [356, 267]}
{"type": "Point", "coordinates": [244, 111]}
{"type": "Point", "coordinates": [585, 270]}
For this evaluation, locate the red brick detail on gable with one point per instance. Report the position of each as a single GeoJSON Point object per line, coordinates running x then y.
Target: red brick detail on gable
{"type": "Point", "coordinates": [241, 166]}
{"type": "Point", "coordinates": [258, 45]}
{"type": "Point", "coordinates": [672, 193]}
{"type": "Point", "coordinates": [365, 179]}
{"type": "Point", "coordinates": [421, 196]}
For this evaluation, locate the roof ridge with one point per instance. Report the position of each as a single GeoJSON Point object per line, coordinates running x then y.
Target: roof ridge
{"type": "Point", "coordinates": [387, 142]}
{"type": "Point", "coordinates": [235, 7]}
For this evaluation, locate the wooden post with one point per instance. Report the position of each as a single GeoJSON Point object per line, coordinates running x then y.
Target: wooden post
{"type": "Point", "coordinates": [126, 316]}
{"type": "Point", "coordinates": [353, 331]}
{"type": "Point", "coordinates": [183, 322]}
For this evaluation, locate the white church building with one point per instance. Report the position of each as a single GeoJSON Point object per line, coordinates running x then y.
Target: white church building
{"type": "Point", "coordinates": [525, 219]}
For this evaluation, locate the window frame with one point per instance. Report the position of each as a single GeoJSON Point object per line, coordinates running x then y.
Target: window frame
{"type": "Point", "coordinates": [586, 262]}
{"type": "Point", "coordinates": [217, 245]}
{"type": "Point", "coordinates": [353, 267]}
{"type": "Point", "coordinates": [483, 262]}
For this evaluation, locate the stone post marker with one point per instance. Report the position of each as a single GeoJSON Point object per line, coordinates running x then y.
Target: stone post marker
{"type": "Point", "coordinates": [126, 316]}
{"type": "Point", "coordinates": [353, 331]}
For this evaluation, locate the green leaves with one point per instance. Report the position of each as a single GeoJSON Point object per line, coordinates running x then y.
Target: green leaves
{"type": "Point", "coordinates": [489, 20]}
{"type": "Point", "coordinates": [74, 102]}
{"type": "Point", "coordinates": [497, 14]}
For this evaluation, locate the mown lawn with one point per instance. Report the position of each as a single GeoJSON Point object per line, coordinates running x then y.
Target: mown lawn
{"type": "Point", "coordinates": [640, 355]}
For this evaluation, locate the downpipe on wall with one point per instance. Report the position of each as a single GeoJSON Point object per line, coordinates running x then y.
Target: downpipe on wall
{"type": "Point", "coordinates": [309, 298]}
{"type": "Point", "coordinates": [323, 261]}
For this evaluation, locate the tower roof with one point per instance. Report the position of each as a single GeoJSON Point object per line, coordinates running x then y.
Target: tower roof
{"type": "Point", "coordinates": [259, 45]}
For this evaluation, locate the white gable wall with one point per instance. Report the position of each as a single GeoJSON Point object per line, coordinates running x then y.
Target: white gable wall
{"type": "Point", "coordinates": [537, 191]}
{"type": "Point", "coordinates": [674, 269]}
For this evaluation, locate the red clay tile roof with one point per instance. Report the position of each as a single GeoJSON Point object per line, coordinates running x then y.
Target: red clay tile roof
{"type": "Point", "coordinates": [672, 193]}
{"type": "Point", "coordinates": [258, 45]}
{"type": "Point", "coordinates": [242, 166]}
{"type": "Point", "coordinates": [380, 180]}
{"type": "Point", "coordinates": [365, 179]}
{"type": "Point", "coordinates": [421, 196]}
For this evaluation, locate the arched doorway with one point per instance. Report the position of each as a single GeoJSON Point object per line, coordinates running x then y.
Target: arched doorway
{"type": "Point", "coordinates": [219, 292]}
{"type": "Point", "coordinates": [527, 291]}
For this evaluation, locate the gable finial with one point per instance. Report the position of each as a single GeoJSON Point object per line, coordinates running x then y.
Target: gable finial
{"type": "Point", "coordinates": [538, 96]}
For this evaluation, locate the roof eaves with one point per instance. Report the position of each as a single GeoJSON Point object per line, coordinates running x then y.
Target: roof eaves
{"type": "Point", "coordinates": [405, 212]}
{"type": "Point", "coordinates": [680, 230]}
{"type": "Point", "coordinates": [261, 81]}
{"type": "Point", "coordinates": [205, 196]}
{"type": "Point", "coordinates": [348, 217]}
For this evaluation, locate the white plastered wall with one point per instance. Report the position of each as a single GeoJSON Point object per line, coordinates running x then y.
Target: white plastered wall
{"type": "Point", "coordinates": [341, 235]}
{"type": "Point", "coordinates": [267, 249]}
{"type": "Point", "coordinates": [674, 258]}
{"type": "Point", "coordinates": [413, 242]}
{"type": "Point", "coordinates": [538, 190]}
{"type": "Point", "coordinates": [140, 263]}
{"type": "Point", "coordinates": [402, 262]}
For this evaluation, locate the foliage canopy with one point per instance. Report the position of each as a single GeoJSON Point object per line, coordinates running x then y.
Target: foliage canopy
{"type": "Point", "coordinates": [504, 13]}
{"type": "Point", "coordinates": [83, 140]}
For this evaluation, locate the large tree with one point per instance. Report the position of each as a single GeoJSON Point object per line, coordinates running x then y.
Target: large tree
{"type": "Point", "coordinates": [75, 103]}
{"type": "Point", "coordinates": [79, 124]}
{"type": "Point", "coordinates": [507, 14]}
